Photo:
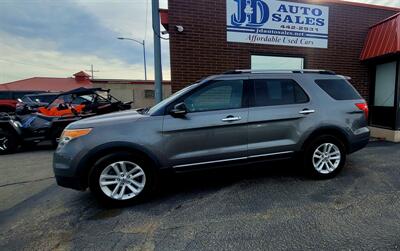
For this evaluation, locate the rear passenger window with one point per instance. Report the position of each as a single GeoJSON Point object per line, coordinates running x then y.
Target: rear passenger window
{"type": "Point", "coordinates": [278, 92]}
{"type": "Point", "coordinates": [338, 89]}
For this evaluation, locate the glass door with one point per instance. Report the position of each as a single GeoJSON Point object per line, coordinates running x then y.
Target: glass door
{"type": "Point", "coordinates": [384, 106]}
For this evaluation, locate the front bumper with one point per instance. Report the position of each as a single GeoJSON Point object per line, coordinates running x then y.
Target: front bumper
{"type": "Point", "coordinates": [70, 182]}
{"type": "Point", "coordinates": [67, 166]}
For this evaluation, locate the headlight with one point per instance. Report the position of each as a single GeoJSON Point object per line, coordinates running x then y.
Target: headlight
{"type": "Point", "coordinates": [70, 134]}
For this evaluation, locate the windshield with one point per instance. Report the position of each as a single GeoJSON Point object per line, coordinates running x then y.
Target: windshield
{"type": "Point", "coordinates": [172, 97]}
{"type": "Point", "coordinates": [43, 98]}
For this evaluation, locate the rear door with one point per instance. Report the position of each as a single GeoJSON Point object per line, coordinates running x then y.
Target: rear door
{"type": "Point", "coordinates": [214, 131]}
{"type": "Point", "coordinates": [279, 110]}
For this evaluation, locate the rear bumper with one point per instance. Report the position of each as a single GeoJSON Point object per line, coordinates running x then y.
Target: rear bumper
{"type": "Point", "coordinates": [358, 144]}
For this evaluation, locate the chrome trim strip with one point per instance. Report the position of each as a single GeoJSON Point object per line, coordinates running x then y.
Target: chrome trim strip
{"type": "Point", "coordinates": [269, 154]}
{"type": "Point", "coordinates": [209, 162]}
{"type": "Point", "coordinates": [225, 160]}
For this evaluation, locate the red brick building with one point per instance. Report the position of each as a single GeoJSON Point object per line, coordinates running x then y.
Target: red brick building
{"type": "Point", "coordinates": [334, 32]}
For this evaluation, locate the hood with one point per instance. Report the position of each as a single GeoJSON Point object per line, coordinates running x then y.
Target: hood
{"type": "Point", "coordinates": [111, 118]}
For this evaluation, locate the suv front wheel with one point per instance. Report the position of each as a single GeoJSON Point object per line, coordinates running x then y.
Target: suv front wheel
{"type": "Point", "coordinates": [121, 178]}
{"type": "Point", "coordinates": [325, 156]}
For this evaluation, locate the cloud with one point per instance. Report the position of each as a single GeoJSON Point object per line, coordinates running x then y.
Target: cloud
{"type": "Point", "coordinates": [17, 61]}
{"type": "Point", "coordinates": [79, 33]}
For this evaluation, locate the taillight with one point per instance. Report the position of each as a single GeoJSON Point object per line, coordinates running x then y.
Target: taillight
{"type": "Point", "coordinates": [363, 107]}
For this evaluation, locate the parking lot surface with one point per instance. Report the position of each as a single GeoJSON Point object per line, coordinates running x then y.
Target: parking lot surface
{"type": "Point", "coordinates": [264, 207]}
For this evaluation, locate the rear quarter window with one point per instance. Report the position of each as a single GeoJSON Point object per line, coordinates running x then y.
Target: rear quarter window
{"type": "Point", "coordinates": [338, 89]}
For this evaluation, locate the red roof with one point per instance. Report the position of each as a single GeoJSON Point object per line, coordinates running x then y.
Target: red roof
{"type": "Point", "coordinates": [164, 18]}
{"type": "Point", "coordinates": [383, 39]}
{"type": "Point", "coordinates": [46, 84]}
{"type": "Point", "coordinates": [81, 74]}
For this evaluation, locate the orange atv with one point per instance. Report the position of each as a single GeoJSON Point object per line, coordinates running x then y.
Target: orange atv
{"type": "Point", "coordinates": [62, 110]}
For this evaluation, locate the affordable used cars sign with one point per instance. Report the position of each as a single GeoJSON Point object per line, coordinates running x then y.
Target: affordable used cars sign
{"type": "Point", "coordinates": [277, 22]}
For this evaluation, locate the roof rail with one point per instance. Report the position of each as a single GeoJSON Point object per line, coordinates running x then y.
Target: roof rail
{"type": "Point", "coordinates": [281, 71]}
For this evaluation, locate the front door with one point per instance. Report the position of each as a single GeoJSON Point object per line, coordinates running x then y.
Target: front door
{"type": "Point", "coordinates": [214, 131]}
{"type": "Point", "coordinates": [279, 108]}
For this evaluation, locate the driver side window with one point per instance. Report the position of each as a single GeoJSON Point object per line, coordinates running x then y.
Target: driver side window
{"type": "Point", "coordinates": [219, 95]}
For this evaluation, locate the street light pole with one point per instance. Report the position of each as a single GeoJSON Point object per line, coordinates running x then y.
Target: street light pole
{"type": "Point", "coordinates": [143, 43]}
{"type": "Point", "coordinates": [144, 60]}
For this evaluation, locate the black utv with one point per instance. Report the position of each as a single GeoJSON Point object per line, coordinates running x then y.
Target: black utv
{"type": "Point", "coordinates": [47, 123]}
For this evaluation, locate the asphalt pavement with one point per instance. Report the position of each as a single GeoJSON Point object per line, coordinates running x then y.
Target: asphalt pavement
{"type": "Point", "coordinates": [264, 207]}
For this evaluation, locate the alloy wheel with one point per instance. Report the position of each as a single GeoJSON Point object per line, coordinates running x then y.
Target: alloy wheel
{"type": "Point", "coordinates": [122, 180]}
{"type": "Point", "coordinates": [3, 143]}
{"type": "Point", "coordinates": [326, 158]}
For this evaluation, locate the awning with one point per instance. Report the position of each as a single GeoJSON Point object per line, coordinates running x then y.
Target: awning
{"type": "Point", "coordinates": [383, 39]}
{"type": "Point", "coordinates": [164, 18]}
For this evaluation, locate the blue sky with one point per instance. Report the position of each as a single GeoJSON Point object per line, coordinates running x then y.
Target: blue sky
{"type": "Point", "coordinates": [60, 37]}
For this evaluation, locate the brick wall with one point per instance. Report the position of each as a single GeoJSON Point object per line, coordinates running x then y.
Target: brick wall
{"type": "Point", "coordinates": [202, 49]}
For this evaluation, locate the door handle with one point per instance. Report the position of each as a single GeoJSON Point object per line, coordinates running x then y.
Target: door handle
{"type": "Point", "coordinates": [307, 111]}
{"type": "Point", "coordinates": [231, 119]}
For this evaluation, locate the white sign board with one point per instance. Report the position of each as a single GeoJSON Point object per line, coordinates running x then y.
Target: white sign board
{"type": "Point", "coordinates": [277, 23]}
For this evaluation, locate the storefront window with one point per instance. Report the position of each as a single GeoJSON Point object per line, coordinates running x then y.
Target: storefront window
{"type": "Point", "coordinates": [276, 63]}
{"type": "Point", "coordinates": [385, 84]}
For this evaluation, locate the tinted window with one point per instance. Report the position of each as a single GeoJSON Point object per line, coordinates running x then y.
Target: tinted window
{"type": "Point", "coordinates": [338, 89]}
{"type": "Point", "coordinates": [5, 95]}
{"type": "Point", "coordinates": [219, 95]}
{"type": "Point", "coordinates": [278, 92]}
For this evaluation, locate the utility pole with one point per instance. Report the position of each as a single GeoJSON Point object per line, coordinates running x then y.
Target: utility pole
{"type": "Point", "coordinates": [92, 71]}
{"type": "Point", "coordinates": [157, 51]}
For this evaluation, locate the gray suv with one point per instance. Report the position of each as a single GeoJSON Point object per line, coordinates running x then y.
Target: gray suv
{"type": "Point", "coordinates": [237, 117]}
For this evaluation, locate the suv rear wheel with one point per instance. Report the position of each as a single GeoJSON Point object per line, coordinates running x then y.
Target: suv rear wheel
{"type": "Point", "coordinates": [121, 178]}
{"type": "Point", "coordinates": [325, 156]}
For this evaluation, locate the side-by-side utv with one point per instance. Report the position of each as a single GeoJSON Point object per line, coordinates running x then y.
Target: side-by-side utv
{"type": "Point", "coordinates": [47, 123]}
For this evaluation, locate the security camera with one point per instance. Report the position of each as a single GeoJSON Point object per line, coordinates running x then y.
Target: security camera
{"type": "Point", "coordinates": [179, 28]}
{"type": "Point", "coordinates": [164, 32]}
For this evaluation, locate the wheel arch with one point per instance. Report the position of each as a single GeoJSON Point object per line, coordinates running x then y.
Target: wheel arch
{"type": "Point", "coordinates": [87, 163]}
{"type": "Point", "coordinates": [329, 130]}
{"type": "Point", "coordinates": [8, 127]}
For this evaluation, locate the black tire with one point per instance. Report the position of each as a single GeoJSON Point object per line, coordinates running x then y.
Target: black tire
{"type": "Point", "coordinates": [8, 142]}
{"type": "Point", "coordinates": [148, 168]}
{"type": "Point", "coordinates": [309, 159]}
{"type": "Point", "coordinates": [55, 136]}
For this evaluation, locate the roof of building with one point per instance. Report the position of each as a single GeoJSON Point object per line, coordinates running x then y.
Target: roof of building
{"type": "Point", "coordinates": [366, 5]}
{"type": "Point", "coordinates": [127, 81]}
{"type": "Point", "coordinates": [48, 84]}
{"type": "Point", "coordinates": [383, 39]}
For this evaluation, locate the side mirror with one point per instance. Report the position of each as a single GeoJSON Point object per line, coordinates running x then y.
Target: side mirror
{"type": "Point", "coordinates": [179, 110]}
